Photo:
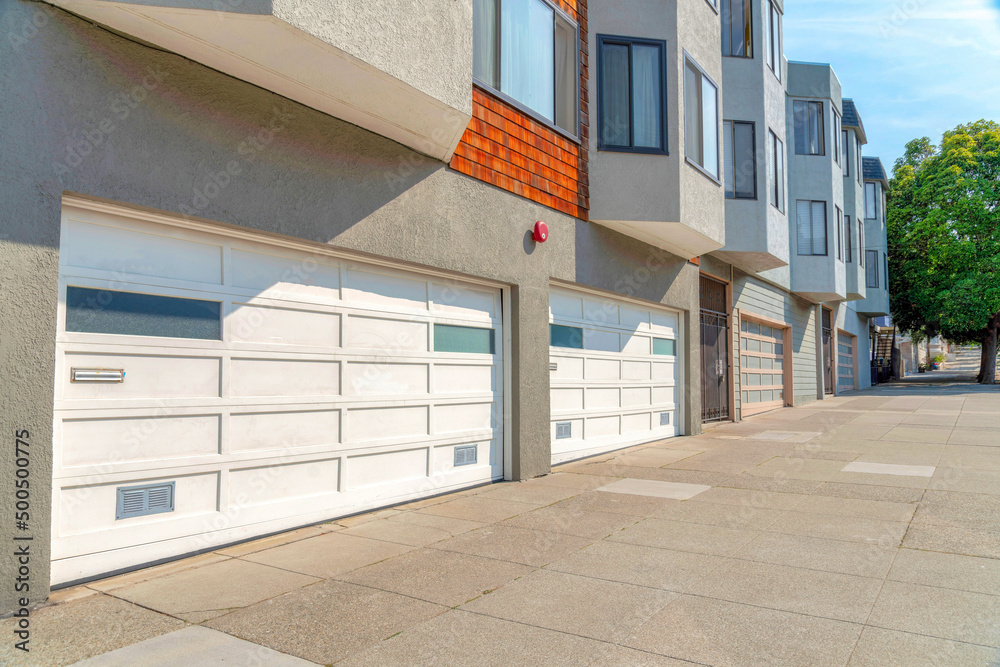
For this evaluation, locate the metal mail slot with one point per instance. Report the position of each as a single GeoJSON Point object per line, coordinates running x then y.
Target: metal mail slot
{"type": "Point", "coordinates": [97, 375]}
{"type": "Point", "coordinates": [553, 366]}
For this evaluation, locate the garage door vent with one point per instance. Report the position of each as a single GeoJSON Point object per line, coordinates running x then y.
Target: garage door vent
{"type": "Point", "coordinates": [142, 500]}
{"type": "Point", "coordinates": [664, 419]}
{"type": "Point", "coordinates": [466, 456]}
{"type": "Point", "coordinates": [564, 430]}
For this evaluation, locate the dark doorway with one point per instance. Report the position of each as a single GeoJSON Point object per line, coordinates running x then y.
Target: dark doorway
{"type": "Point", "coordinates": [827, 351]}
{"type": "Point", "coordinates": [714, 351]}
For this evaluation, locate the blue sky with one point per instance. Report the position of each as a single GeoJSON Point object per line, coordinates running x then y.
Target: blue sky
{"type": "Point", "coordinates": [913, 67]}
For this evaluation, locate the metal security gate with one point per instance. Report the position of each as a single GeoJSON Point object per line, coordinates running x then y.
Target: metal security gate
{"type": "Point", "coordinates": [714, 351]}
{"type": "Point", "coordinates": [827, 351]}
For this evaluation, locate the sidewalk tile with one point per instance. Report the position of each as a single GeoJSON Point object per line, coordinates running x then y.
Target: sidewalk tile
{"type": "Point", "coordinates": [328, 555]}
{"type": "Point", "coordinates": [938, 612]}
{"type": "Point", "coordinates": [516, 545]}
{"type": "Point", "coordinates": [879, 647]}
{"type": "Point", "coordinates": [932, 568]}
{"type": "Point", "coordinates": [680, 536]}
{"type": "Point", "coordinates": [864, 560]}
{"type": "Point", "coordinates": [848, 528]}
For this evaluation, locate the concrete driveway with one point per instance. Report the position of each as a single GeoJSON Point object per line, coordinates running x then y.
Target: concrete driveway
{"type": "Point", "coordinates": [861, 530]}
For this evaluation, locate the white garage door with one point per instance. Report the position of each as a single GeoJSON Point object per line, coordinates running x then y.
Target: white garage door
{"type": "Point", "coordinates": [212, 388]}
{"type": "Point", "coordinates": [614, 374]}
{"type": "Point", "coordinates": [845, 361]}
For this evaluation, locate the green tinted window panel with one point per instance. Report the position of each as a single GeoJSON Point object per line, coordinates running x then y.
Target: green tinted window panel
{"type": "Point", "coordinates": [464, 340]}
{"type": "Point", "coordinates": [665, 346]}
{"type": "Point", "coordinates": [563, 336]}
{"type": "Point", "coordinates": [130, 314]}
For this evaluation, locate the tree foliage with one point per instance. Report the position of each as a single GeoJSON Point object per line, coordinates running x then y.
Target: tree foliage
{"type": "Point", "coordinates": [944, 236]}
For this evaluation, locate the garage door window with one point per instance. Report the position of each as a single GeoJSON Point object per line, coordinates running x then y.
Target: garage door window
{"type": "Point", "coordinates": [463, 340]}
{"type": "Point", "coordinates": [130, 314]}
{"type": "Point", "coordinates": [664, 346]}
{"type": "Point", "coordinates": [563, 336]}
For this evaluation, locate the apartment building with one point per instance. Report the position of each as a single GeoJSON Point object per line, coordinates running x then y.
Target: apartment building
{"type": "Point", "coordinates": [271, 263]}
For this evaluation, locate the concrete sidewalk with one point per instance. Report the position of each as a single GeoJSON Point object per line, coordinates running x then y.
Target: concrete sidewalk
{"type": "Point", "coordinates": [861, 530]}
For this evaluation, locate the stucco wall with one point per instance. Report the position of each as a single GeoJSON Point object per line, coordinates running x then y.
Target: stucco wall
{"type": "Point", "coordinates": [95, 114]}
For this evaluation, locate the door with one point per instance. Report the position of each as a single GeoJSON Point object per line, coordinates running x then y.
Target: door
{"type": "Point", "coordinates": [763, 371]}
{"type": "Point", "coordinates": [212, 388]}
{"type": "Point", "coordinates": [714, 351]}
{"type": "Point", "coordinates": [614, 373]}
{"type": "Point", "coordinates": [845, 361]}
{"type": "Point", "coordinates": [827, 351]}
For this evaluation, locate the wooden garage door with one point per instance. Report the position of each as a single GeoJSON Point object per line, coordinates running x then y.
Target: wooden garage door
{"type": "Point", "coordinates": [614, 374]}
{"type": "Point", "coordinates": [212, 388]}
{"type": "Point", "coordinates": [762, 367]}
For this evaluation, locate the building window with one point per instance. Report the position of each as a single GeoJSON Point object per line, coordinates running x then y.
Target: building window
{"type": "Point", "coordinates": [837, 133]}
{"type": "Point", "coordinates": [809, 130]}
{"type": "Point", "coordinates": [871, 271]}
{"type": "Point", "coordinates": [737, 35]}
{"type": "Point", "coordinates": [776, 171]}
{"type": "Point", "coordinates": [701, 119]}
{"type": "Point", "coordinates": [740, 150]}
{"type": "Point", "coordinates": [849, 238]}
{"type": "Point", "coordinates": [885, 262]}
{"type": "Point", "coordinates": [464, 340]}
{"type": "Point", "coordinates": [563, 336]}
{"type": "Point", "coordinates": [631, 94]}
{"type": "Point", "coordinates": [861, 243]}
{"type": "Point", "coordinates": [858, 162]}
{"type": "Point", "coordinates": [871, 201]}
{"type": "Point", "coordinates": [529, 51]}
{"type": "Point", "coordinates": [104, 311]}
{"type": "Point", "coordinates": [811, 223]}
{"type": "Point", "coordinates": [846, 162]}
{"type": "Point", "coordinates": [772, 39]}
{"type": "Point", "coordinates": [840, 233]}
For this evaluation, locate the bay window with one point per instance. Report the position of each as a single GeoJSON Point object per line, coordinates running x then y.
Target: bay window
{"type": "Point", "coordinates": [809, 128]}
{"type": "Point", "coordinates": [810, 221]}
{"type": "Point", "coordinates": [740, 151]}
{"type": "Point", "coordinates": [871, 201]}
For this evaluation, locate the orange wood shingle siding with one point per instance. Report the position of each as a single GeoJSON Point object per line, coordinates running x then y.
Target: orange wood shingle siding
{"type": "Point", "coordinates": [511, 150]}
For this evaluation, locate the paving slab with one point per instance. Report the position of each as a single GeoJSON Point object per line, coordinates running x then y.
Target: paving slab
{"type": "Point", "coordinates": [328, 555]}
{"type": "Point", "coordinates": [615, 503]}
{"type": "Point", "coordinates": [65, 633]}
{"type": "Point", "coordinates": [953, 539]}
{"type": "Point", "coordinates": [863, 560]}
{"type": "Point", "coordinates": [879, 647]}
{"type": "Point", "coordinates": [400, 532]}
{"type": "Point", "coordinates": [681, 536]}
{"type": "Point", "coordinates": [654, 489]}
{"type": "Point", "coordinates": [938, 612]}
{"type": "Point", "coordinates": [194, 645]}
{"type": "Point", "coordinates": [847, 528]}
{"type": "Point", "coordinates": [516, 545]}
{"type": "Point", "coordinates": [478, 508]}
{"type": "Point", "coordinates": [717, 632]}
{"type": "Point", "coordinates": [473, 640]}
{"type": "Point", "coordinates": [442, 577]}
{"type": "Point", "coordinates": [555, 519]}
{"type": "Point", "coordinates": [715, 514]}
{"type": "Point", "coordinates": [565, 602]}
{"type": "Point", "coordinates": [897, 469]}
{"type": "Point", "coordinates": [227, 585]}
{"type": "Point", "coordinates": [640, 565]}
{"type": "Point", "coordinates": [891, 494]}
{"type": "Point", "coordinates": [328, 621]}
{"type": "Point", "coordinates": [957, 571]}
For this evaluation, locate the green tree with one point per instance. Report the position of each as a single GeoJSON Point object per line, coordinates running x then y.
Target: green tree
{"type": "Point", "coordinates": [944, 238]}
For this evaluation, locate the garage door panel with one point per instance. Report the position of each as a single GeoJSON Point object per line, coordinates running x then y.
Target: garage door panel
{"type": "Point", "coordinates": [566, 399]}
{"type": "Point", "coordinates": [319, 395]}
{"type": "Point", "coordinates": [136, 439]}
{"type": "Point", "coordinates": [386, 469]}
{"type": "Point", "coordinates": [636, 370]}
{"type": "Point", "coordinates": [633, 397]}
{"type": "Point", "coordinates": [603, 369]}
{"type": "Point", "coordinates": [762, 368]}
{"type": "Point", "coordinates": [385, 335]}
{"type": "Point", "coordinates": [368, 424]}
{"type": "Point", "coordinates": [565, 368]}
{"type": "Point", "coordinates": [635, 318]}
{"type": "Point", "coordinates": [134, 253]}
{"type": "Point", "coordinates": [663, 371]}
{"type": "Point", "coordinates": [600, 398]}
{"type": "Point", "coordinates": [636, 423]}
{"type": "Point", "coordinates": [263, 431]}
{"type": "Point", "coordinates": [599, 340]}
{"type": "Point", "coordinates": [283, 482]}
{"type": "Point", "coordinates": [284, 377]}
{"type": "Point", "coordinates": [602, 427]}
{"type": "Point", "coordinates": [601, 312]}
{"type": "Point", "coordinates": [565, 306]}
{"type": "Point", "coordinates": [280, 276]}
{"type": "Point", "coordinates": [464, 379]}
{"type": "Point", "coordinates": [462, 301]}
{"type": "Point", "coordinates": [664, 323]}
{"type": "Point", "coordinates": [384, 290]}
{"type": "Point", "coordinates": [636, 345]}
{"type": "Point", "coordinates": [386, 379]}
{"type": "Point", "coordinates": [284, 326]}
{"type": "Point", "coordinates": [146, 376]}
{"type": "Point", "coordinates": [663, 396]}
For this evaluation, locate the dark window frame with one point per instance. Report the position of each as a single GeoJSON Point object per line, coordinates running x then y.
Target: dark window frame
{"type": "Point", "coordinates": [777, 147]}
{"type": "Point", "coordinates": [871, 274]}
{"type": "Point", "coordinates": [725, 9]}
{"type": "Point", "coordinates": [629, 41]}
{"type": "Point", "coordinates": [821, 138]}
{"type": "Point", "coordinates": [773, 33]}
{"type": "Point", "coordinates": [731, 136]}
{"type": "Point", "coordinates": [812, 240]}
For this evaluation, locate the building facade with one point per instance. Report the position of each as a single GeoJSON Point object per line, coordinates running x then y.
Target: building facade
{"type": "Point", "coordinates": [267, 264]}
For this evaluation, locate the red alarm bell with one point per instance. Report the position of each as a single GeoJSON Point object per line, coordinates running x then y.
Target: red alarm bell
{"type": "Point", "coordinates": [541, 232]}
